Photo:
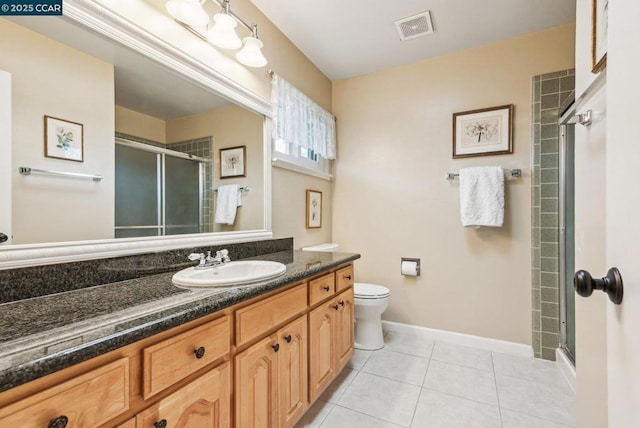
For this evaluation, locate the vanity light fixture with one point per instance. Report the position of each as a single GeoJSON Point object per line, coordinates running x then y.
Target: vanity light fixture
{"type": "Point", "coordinates": [189, 12]}
{"type": "Point", "coordinates": [222, 34]}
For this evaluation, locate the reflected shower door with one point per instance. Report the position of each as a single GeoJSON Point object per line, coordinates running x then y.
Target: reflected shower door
{"type": "Point", "coordinates": [138, 210]}
{"type": "Point", "coordinates": [182, 192]}
{"type": "Point", "coordinates": [567, 240]}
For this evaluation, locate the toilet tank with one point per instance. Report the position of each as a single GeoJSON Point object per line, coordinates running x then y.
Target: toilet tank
{"type": "Point", "coordinates": [328, 247]}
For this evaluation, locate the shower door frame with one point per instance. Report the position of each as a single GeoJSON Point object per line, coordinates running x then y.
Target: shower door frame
{"type": "Point", "coordinates": [161, 181]}
{"type": "Point", "coordinates": [568, 118]}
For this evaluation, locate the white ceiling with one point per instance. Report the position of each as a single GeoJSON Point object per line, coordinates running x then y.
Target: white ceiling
{"type": "Point", "coordinates": [346, 38]}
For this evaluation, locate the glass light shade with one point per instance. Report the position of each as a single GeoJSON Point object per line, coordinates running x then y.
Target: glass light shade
{"type": "Point", "coordinates": [188, 11]}
{"type": "Point", "coordinates": [251, 55]}
{"type": "Point", "coordinates": [223, 33]}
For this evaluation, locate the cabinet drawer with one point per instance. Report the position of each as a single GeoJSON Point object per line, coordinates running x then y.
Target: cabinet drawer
{"type": "Point", "coordinates": [88, 400]}
{"type": "Point", "coordinates": [261, 317]}
{"type": "Point", "coordinates": [344, 278]}
{"type": "Point", "coordinates": [172, 360]}
{"type": "Point", "coordinates": [321, 288]}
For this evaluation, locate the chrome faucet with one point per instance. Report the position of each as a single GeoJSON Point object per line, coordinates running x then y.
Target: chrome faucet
{"type": "Point", "coordinates": [209, 261]}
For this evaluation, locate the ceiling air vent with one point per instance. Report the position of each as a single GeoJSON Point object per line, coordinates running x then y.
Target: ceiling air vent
{"type": "Point", "coordinates": [414, 26]}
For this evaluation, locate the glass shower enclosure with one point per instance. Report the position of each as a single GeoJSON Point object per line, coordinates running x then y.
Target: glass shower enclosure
{"type": "Point", "coordinates": [567, 233]}
{"type": "Point", "coordinates": [157, 191]}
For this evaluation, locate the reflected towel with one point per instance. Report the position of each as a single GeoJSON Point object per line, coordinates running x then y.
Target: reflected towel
{"type": "Point", "coordinates": [482, 196]}
{"type": "Point", "coordinates": [227, 203]}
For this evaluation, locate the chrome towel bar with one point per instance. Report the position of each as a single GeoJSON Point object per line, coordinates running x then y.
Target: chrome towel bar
{"type": "Point", "coordinates": [25, 170]}
{"type": "Point", "coordinates": [242, 189]}
{"type": "Point", "coordinates": [513, 172]}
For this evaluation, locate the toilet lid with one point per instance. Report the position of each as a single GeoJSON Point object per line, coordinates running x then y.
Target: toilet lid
{"type": "Point", "coordinates": [369, 291]}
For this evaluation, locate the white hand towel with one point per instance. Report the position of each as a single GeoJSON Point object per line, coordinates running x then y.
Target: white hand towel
{"type": "Point", "coordinates": [482, 196]}
{"type": "Point", "coordinates": [227, 203]}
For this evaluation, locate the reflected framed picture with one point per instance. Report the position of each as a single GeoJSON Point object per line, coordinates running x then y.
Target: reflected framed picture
{"type": "Point", "coordinates": [599, 30]}
{"type": "Point", "coordinates": [63, 139]}
{"type": "Point", "coordinates": [314, 209]}
{"type": "Point", "coordinates": [483, 132]}
{"type": "Point", "coordinates": [233, 162]}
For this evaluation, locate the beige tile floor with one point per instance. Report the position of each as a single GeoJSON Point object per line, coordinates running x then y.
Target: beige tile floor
{"type": "Point", "coordinates": [416, 382]}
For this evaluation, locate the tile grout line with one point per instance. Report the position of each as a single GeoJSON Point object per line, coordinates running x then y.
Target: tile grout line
{"type": "Point", "coordinates": [495, 382]}
{"type": "Point", "coordinates": [424, 378]}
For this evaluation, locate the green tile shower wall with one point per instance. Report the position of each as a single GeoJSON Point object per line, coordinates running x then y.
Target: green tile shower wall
{"type": "Point", "coordinates": [549, 91]}
{"type": "Point", "coordinates": [201, 147]}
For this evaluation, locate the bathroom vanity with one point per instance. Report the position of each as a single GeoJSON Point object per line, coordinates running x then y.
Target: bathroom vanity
{"type": "Point", "coordinates": [254, 356]}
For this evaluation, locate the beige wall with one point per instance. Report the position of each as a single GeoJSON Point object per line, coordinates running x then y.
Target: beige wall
{"type": "Point", "coordinates": [230, 127]}
{"type": "Point", "coordinates": [140, 125]}
{"type": "Point", "coordinates": [391, 201]}
{"type": "Point", "coordinates": [285, 59]}
{"type": "Point", "coordinates": [52, 79]}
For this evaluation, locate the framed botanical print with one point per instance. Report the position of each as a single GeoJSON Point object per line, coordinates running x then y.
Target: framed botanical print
{"type": "Point", "coordinates": [63, 139]}
{"type": "Point", "coordinates": [314, 209]}
{"type": "Point", "coordinates": [599, 30]}
{"type": "Point", "coordinates": [483, 132]}
{"type": "Point", "coordinates": [233, 162]}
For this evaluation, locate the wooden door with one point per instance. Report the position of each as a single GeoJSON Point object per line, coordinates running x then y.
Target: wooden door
{"type": "Point", "coordinates": [321, 348]}
{"type": "Point", "coordinates": [292, 371]}
{"type": "Point", "coordinates": [6, 168]}
{"type": "Point", "coordinates": [204, 403]}
{"type": "Point", "coordinates": [344, 328]}
{"type": "Point", "coordinates": [256, 389]}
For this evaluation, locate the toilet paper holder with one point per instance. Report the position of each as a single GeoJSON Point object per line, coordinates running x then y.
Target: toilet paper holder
{"type": "Point", "coordinates": [411, 260]}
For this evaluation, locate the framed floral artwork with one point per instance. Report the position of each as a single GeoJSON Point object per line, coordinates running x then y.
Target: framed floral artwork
{"type": "Point", "coordinates": [599, 30]}
{"type": "Point", "coordinates": [63, 139]}
{"type": "Point", "coordinates": [233, 162]}
{"type": "Point", "coordinates": [314, 209]}
{"type": "Point", "coordinates": [483, 132]}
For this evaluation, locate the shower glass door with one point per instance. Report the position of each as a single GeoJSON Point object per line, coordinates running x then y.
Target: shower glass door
{"type": "Point", "coordinates": [567, 240]}
{"type": "Point", "coordinates": [158, 191]}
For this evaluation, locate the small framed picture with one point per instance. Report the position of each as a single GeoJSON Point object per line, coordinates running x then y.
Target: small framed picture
{"type": "Point", "coordinates": [483, 132]}
{"type": "Point", "coordinates": [63, 139]}
{"type": "Point", "coordinates": [233, 162]}
{"type": "Point", "coordinates": [314, 209]}
{"type": "Point", "coordinates": [599, 30]}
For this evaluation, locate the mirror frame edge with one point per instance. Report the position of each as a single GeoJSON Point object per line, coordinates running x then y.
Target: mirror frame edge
{"type": "Point", "coordinates": [109, 24]}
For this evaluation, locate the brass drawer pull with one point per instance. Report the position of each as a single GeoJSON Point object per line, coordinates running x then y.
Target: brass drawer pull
{"type": "Point", "coordinates": [161, 424]}
{"type": "Point", "coordinates": [288, 338]}
{"type": "Point", "coordinates": [276, 347]}
{"type": "Point", "coordinates": [348, 277]}
{"type": "Point", "coordinates": [326, 288]}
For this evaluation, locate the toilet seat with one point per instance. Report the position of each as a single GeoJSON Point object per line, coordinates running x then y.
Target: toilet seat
{"type": "Point", "coordinates": [369, 291]}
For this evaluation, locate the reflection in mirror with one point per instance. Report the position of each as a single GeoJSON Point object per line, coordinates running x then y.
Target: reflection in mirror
{"type": "Point", "coordinates": [154, 136]}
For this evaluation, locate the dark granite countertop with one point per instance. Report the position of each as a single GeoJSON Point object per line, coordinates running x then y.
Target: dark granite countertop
{"type": "Point", "coordinates": [41, 335]}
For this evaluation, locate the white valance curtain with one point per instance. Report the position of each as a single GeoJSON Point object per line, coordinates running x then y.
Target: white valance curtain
{"type": "Point", "coordinates": [300, 122]}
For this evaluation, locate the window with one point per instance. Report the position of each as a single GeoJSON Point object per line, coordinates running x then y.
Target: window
{"type": "Point", "coordinates": [304, 134]}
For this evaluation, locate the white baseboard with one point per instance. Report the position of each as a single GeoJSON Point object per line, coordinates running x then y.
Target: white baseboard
{"type": "Point", "coordinates": [493, 345]}
{"type": "Point", "coordinates": [567, 368]}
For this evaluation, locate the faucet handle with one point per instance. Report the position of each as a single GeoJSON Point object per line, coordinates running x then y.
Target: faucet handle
{"type": "Point", "coordinates": [223, 255]}
{"type": "Point", "coordinates": [195, 256]}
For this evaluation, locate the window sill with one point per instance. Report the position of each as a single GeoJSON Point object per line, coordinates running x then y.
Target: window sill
{"type": "Point", "coordinates": [281, 163]}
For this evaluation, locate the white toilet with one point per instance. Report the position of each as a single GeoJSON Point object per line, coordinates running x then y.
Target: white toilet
{"type": "Point", "coordinates": [371, 301]}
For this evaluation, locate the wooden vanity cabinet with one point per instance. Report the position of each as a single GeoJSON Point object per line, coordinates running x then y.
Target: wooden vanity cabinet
{"type": "Point", "coordinates": [331, 337]}
{"type": "Point", "coordinates": [203, 403]}
{"type": "Point", "coordinates": [259, 364]}
{"type": "Point", "coordinates": [271, 379]}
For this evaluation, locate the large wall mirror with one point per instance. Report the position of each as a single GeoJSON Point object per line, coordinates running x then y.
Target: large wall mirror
{"type": "Point", "coordinates": [83, 103]}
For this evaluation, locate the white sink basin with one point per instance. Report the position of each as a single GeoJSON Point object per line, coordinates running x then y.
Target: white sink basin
{"type": "Point", "coordinates": [230, 274]}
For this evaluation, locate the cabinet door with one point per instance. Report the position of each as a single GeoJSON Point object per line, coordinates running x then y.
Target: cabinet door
{"type": "Point", "coordinates": [344, 328]}
{"type": "Point", "coordinates": [292, 371]}
{"type": "Point", "coordinates": [256, 389]}
{"type": "Point", "coordinates": [204, 403]}
{"type": "Point", "coordinates": [321, 348]}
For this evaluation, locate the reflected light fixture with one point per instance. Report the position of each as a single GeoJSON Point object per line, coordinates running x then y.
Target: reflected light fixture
{"type": "Point", "coordinates": [223, 32]}
{"type": "Point", "coordinates": [189, 12]}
